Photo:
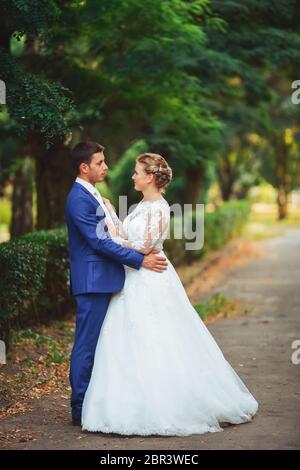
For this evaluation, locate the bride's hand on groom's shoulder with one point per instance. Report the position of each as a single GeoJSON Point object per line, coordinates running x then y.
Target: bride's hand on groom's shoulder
{"type": "Point", "coordinates": [108, 203]}
{"type": "Point", "coordinates": [155, 263]}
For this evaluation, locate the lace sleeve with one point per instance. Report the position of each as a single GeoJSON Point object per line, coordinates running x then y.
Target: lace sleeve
{"type": "Point", "coordinates": [153, 222]}
{"type": "Point", "coordinates": [118, 224]}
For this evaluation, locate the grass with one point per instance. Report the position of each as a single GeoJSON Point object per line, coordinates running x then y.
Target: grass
{"type": "Point", "coordinates": [219, 306]}
{"type": "Point", "coordinates": [37, 364]}
{"type": "Point", "coordinates": [54, 349]}
{"type": "Point", "coordinates": [5, 211]}
{"type": "Point", "coordinates": [4, 233]}
{"type": "Point", "coordinates": [5, 217]}
{"type": "Point", "coordinates": [263, 221]}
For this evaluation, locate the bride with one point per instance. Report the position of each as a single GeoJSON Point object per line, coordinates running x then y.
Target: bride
{"type": "Point", "coordinates": [157, 369]}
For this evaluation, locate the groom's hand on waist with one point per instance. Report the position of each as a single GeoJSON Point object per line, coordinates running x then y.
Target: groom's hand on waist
{"type": "Point", "coordinates": [154, 262]}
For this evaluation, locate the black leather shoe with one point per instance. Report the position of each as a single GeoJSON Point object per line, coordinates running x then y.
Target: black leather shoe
{"type": "Point", "coordinates": [76, 420]}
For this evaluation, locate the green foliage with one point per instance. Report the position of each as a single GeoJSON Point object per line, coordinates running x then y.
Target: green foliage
{"type": "Point", "coordinates": [149, 88]}
{"type": "Point", "coordinates": [250, 64]}
{"type": "Point", "coordinates": [51, 348]}
{"type": "Point", "coordinates": [218, 303]}
{"type": "Point", "coordinates": [224, 223]}
{"type": "Point", "coordinates": [34, 284]}
{"type": "Point", "coordinates": [219, 227]}
{"type": "Point", "coordinates": [33, 103]}
{"type": "Point", "coordinates": [120, 176]}
{"type": "Point", "coordinates": [5, 211]}
{"type": "Point", "coordinates": [191, 79]}
{"type": "Point", "coordinates": [28, 16]}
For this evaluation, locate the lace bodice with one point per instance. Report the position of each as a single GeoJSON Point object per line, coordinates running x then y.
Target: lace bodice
{"type": "Point", "coordinates": [145, 228]}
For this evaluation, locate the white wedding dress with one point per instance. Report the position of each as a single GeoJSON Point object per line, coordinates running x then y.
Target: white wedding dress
{"type": "Point", "coordinates": [157, 369]}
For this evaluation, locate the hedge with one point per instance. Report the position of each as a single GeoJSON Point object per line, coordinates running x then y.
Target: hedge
{"type": "Point", "coordinates": [34, 282]}
{"type": "Point", "coordinates": [219, 227]}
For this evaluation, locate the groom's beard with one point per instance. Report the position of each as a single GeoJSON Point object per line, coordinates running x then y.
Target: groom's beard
{"type": "Point", "coordinates": [103, 178]}
{"type": "Point", "coordinates": [100, 179]}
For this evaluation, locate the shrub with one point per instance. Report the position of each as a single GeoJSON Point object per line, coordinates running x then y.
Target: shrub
{"type": "Point", "coordinates": [219, 227]}
{"type": "Point", "coordinates": [34, 283]}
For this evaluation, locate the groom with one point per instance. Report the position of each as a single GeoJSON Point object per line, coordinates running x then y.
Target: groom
{"type": "Point", "coordinates": [96, 264]}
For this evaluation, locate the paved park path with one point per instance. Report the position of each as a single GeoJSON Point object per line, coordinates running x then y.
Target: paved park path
{"type": "Point", "coordinates": [257, 345]}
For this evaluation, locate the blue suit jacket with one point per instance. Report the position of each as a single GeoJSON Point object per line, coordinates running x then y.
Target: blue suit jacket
{"type": "Point", "coordinates": [96, 262]}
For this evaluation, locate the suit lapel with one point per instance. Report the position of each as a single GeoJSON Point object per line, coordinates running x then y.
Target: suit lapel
{"type": "Point", "coordinates": [96, 203]}
{"type": "Point", "coordinates": [82, 188]}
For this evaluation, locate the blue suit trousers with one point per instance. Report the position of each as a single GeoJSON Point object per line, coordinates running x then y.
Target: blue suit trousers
{"type": "Point", "coordinates": [90, 314]}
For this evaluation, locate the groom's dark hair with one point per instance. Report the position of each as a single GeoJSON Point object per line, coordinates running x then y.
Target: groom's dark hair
{"type": "Point", "coordinates": [83, 152]}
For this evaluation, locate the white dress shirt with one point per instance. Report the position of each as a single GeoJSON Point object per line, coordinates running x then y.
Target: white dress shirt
{"type": "Point", "coordinates": [94, 191]}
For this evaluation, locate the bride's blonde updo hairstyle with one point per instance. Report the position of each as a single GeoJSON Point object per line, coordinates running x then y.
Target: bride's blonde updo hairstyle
{"type": "Point", "coordinates": [157, 165]}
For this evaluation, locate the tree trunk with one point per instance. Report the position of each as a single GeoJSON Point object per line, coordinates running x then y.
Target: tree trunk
{"type": "Point", "coordinates": [22, 218]}
{"type": "Point", "coordinates": [194, 177]}
{"type": "Point", "coordinates": [54, 177]}
{"type": "Point", "coordinates": [282, 203]}
{"type": "Point", "coordinates": [281, 156]}
{"type": "Point", "coordinates": [226, 177]}
{"type": "Point", "coordinates": [5, 40]}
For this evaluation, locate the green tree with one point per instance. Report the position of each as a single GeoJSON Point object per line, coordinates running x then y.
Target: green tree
{"type": "Point", "coordinates": [146, 52]}
{"type": "Point", "coordinates": [36, 106]}
{"type": "Point", "coordinates": [246, 63]}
